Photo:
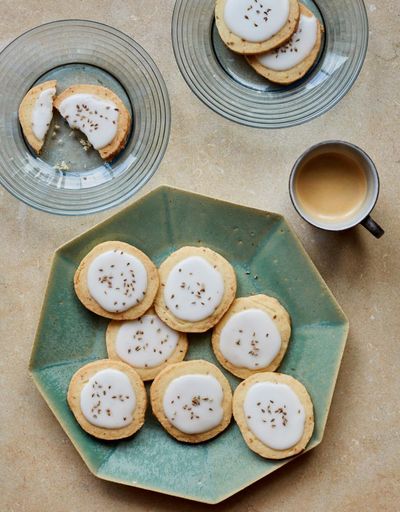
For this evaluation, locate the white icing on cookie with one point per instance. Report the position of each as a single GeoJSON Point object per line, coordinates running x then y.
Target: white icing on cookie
{"type": "Point", "coordinates": [296, 50]}
{"type": "Point", "coordinates": [193, 403]}
{"type": "Point", "coordinates": [42, 113]}
{"type": "Point", "coordinates": [274, 414]}
{"type": "Point", "coordinates": [117, 280]}
{"type": "Point", "coordinates": [146, 342]}
{"type": "Point", "coordinates": [96, 117]}
{"type": "Point", "coordinates": [250, 339]}
{"type": "Point", "coordinates": [108, 400]}
{"type": "Point", "coordinates": [256, 21]}
{"type": "Point", "coordinates": [194, 289]}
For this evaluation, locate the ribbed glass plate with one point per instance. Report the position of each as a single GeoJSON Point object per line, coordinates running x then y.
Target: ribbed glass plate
{"type": "Point", "coordinates": [74, 51]}
{"type": "Point", "coordinates": [228, 85]}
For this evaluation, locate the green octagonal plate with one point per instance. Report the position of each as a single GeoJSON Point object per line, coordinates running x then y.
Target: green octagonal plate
{"type": "Point", "coordinates": [268, 258]}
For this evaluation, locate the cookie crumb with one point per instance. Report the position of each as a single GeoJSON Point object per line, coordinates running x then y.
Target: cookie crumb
{"type": "Point", "coordinates": [85, 144]}
{"type": "Point", "coordinates": [61, 166]}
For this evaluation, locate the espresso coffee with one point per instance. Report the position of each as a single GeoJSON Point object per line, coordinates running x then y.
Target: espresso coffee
{"type": "Point", "coordinates": [331, 186]}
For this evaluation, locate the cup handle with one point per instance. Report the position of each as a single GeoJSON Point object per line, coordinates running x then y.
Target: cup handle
{"type": "Point", "coordinates": [372, 226]}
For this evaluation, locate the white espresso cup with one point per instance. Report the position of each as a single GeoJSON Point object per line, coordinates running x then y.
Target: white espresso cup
{"type": "Point", "coordinates": [334, 185]}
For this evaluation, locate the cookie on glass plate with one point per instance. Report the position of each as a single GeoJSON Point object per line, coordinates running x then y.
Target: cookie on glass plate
{"type": "Point", "coordinates": [36, 112]}
{"type": "Point", "coordinates": [290, 62]}
{"type": "Point", "coordinates": [254, 26]}
{"type": "Point", "coordinates": [98, 113]}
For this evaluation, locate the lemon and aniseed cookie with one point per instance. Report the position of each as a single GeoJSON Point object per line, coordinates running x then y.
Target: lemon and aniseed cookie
{"type": "Point", "coordinates": [274, 413]}
{"type": "Point", "coordinates": [197, 287]}
{"type": "Point", "coordinates": [108, 399]}
{"type": "Point", "coordinates": [252, 336]}
{"type": "Point", "coordinates": [98, 113]}
{"type": "Point", "coordinates": [116, 280]}
{"type": "Point", "coordinates": [192, 400]}
{"type": "Point", "coordinates": [291, 61]}
{"type": "Point", "coordinates": [254, 26]}
{"type": "Point", "coordinates": [36, 112]}
{"type": "Point", "coordinates": [147, 344]}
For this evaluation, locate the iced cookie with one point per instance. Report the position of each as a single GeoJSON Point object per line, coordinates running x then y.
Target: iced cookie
{"type": "Point", "coordinates": [36, 112]}
{"type": "Point", "coordinates": [252, 336]}
{"type": "Point", "coordinates": [98, 113]}
{"type": "Point", "coordinates": [274, 413]}
{"type": "Point", "coordinates": [197, 287]}
{"type": "Point", "coordinates": [108, 399]}
{"type": "Point", "coordinates": [147, 344]}
{"type": "Point", "coordinates": [192, 400]}
{"type": "Point", "coordinates": [254, 26]}
{"type": "Point", "coordinates": [116, 280]}
{"type": "Point", "coordinates": [291, 62]}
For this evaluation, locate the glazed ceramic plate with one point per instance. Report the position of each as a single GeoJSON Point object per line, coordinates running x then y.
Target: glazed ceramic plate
{"type": "Point", "coordinates": [227, 84]}
{"type": "Point", "coordinates": [268, 258]}
{"type": "Point", "coordinates": [66, 179]}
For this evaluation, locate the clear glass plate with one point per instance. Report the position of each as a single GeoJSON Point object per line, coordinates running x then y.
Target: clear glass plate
{"type": "Point", "coordinates": [228, 85]}
{"type": "Point", "coordinates": [75, 51]}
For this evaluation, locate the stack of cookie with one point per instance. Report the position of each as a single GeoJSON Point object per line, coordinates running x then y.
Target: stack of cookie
{"type": "Point", "coordinates": [280, 38]}
{"type": "Point", "coordinates": [152, 311]}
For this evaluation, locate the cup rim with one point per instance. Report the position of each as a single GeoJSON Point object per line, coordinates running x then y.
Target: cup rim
{"type": "Point", "coordinates": [307, 152]}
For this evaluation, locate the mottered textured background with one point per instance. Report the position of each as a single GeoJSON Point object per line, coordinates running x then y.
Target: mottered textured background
{"type": "Point", "coordinates": [356, 467]}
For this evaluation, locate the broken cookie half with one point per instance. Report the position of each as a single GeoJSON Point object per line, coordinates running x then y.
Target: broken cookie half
{"type": "Point", "coordinates": [36, 112]}
{"type": "Point", "coordinates": [98, 113]}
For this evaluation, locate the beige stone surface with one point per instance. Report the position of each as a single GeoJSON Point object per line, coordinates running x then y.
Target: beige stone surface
{"type": "Point", "coordinates": [356, 468]}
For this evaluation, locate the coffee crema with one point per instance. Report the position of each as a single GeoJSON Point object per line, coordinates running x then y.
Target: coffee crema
{"type": "Point", "coordinates": [331, 187]}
